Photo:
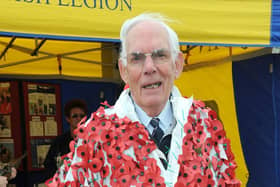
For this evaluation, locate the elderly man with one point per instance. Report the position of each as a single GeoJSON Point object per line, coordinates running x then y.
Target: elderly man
{"type": "Point", "coordinates": [152, 136]}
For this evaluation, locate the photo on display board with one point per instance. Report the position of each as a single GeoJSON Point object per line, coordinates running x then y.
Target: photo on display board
{"type": "Point", "coordinates": [5, 98]}
{"type": "Point", "coordinates": [39, 150]}
{"type": "Point", "coordinates": [41, 100]}
{"type": "Point", "coordinates": [6, 150]}
{"type": "Point", "coordinates": [5, 125]}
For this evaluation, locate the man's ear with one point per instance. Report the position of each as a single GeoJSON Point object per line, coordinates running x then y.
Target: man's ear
{"type": "Point", "coordinates": [179, 64]}
{"type": "Point", "coordinates": [123, 71]}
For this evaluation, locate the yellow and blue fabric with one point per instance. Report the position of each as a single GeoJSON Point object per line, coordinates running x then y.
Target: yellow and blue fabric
{"type": "Point", "coordinates": [257, 96]}
{"type": "Point", "coordinates": [275, 23]}
{"type": "Point", "coordinates": [250, 23]}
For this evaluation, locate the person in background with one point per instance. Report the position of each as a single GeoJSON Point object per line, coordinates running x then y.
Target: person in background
{"type": "Point", "coordinates": [4, 179]}
{"type": "Point", "coordinates": [152, 136]}
{"type": "Point", "coordinates": [7, 172]}
{"type": "Point", "coordinates": [74, 111]}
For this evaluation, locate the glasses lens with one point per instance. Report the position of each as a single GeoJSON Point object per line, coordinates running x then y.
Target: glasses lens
{"type": "Point", "coordinates": [78, 115]}
{"type": "Point", "coordinates": [136, 58]}
{"type": "Point", "coordinates": [160, 56]}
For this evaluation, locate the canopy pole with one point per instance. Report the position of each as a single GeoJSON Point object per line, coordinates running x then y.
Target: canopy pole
{"type": "Point", "coordinates": [35, 51]}
{"type": "Point", "coordinates": [58, 57]}
{"type": "Point", "coordinates": [187, 52]}
{"type": "Point", "coordinates": [7, 47]}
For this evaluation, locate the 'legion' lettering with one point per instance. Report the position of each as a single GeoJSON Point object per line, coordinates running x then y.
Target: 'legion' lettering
{"type": "Point", "coordinates": [92, 4]}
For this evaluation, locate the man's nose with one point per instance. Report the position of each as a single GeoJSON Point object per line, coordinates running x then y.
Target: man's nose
{"type": "Point", "coordinates": [149, 65]}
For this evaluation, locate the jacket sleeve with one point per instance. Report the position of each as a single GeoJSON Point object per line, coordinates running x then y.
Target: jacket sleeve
{"type": "Point", "coordinates": [50, 161]}
{"type": "Point", "coordinates": [215, 146]}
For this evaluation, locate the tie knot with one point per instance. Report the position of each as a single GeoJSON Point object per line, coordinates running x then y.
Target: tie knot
{"type": "Point", "coordinates": [154, 122]}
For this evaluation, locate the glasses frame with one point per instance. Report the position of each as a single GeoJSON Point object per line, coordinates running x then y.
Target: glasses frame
{"type": "Point", "coordinates": [75, 116]}
{"type": "Point", "coordinates": [159, 56]}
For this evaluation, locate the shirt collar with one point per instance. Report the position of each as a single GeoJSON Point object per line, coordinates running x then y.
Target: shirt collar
{"type": "Point", "coordinates": [165, 117]}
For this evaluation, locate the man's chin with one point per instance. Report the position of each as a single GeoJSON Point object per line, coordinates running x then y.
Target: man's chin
{"type": "Point", "coordinates": [153, 101]}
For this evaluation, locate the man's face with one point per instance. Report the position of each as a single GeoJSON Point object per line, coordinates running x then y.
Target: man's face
{"type": "Point", "coordinates": [76, 115]}
{"type": "Point", "coordinates": [150, 76]}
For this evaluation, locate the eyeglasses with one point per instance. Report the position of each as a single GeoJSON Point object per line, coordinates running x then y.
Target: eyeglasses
{"type": "Point", "coordinates": [78, 115]}
{"type": "Point", "coordinates": [159, 56]}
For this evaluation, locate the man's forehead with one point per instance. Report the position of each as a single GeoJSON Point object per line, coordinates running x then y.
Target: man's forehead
{"type": "Point", "coordinates": [148, 26]}
{"type": "Point", "coordinates": [155, 33]}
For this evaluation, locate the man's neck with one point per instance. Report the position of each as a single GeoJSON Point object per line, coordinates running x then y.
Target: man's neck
{"type": "Point", "coordinates": [153, 111]}
{"type": "Point", "coordinates": [166, 117]}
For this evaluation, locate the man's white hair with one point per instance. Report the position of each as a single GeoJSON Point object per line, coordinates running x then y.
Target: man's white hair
{"type": "Point", "coordinates": [156, 17]}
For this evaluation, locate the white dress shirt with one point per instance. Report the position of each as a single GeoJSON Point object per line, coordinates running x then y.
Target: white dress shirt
{"type": "Point", "coordinates": [167, 120]}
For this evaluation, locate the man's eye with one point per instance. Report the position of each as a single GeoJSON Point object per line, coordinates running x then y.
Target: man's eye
{"type": "Point", "coordinates": [137, 57]}
{"type": "Point", "coordinates": [159, 54]}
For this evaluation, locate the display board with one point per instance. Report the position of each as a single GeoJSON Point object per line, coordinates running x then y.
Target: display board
{"type": "Point", "coordinates": [10, 127]}
{"type": "Point", "coordinates": [42, 120]}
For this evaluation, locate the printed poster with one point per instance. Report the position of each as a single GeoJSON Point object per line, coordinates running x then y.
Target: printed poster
{"type": "Point", "coordinates": [41, 100]}
{"type": "Point", "coordinates": [5, 125]}
{"type": "Point", "coordinates": [5, 98]}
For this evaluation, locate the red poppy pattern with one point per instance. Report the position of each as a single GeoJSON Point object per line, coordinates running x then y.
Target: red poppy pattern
{"type": "Point", "coordinates": [100, 152]}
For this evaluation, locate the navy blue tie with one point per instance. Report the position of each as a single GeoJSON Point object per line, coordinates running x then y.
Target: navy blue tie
{"type": "Point", "coordinates": [157, 132]}
{"type": "Point", "coordinates": [163, 143]}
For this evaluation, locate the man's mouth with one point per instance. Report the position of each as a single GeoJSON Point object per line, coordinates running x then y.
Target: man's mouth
{"type": "Point", "coordinates": [154, 85]}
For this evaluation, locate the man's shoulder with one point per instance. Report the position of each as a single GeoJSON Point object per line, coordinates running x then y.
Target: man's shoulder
{"type": "Point", "coordinates": [198, 103]}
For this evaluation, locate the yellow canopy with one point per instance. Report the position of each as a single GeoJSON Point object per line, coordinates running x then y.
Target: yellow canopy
{"type": "Point", "coordinates": [89, 60]}
{"type": "Point", "coordinates": [208, 21]}
{"type": "Point", "coordinates": [55, 27]}
{"type": "Point", "coordinates": [54, 58]}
